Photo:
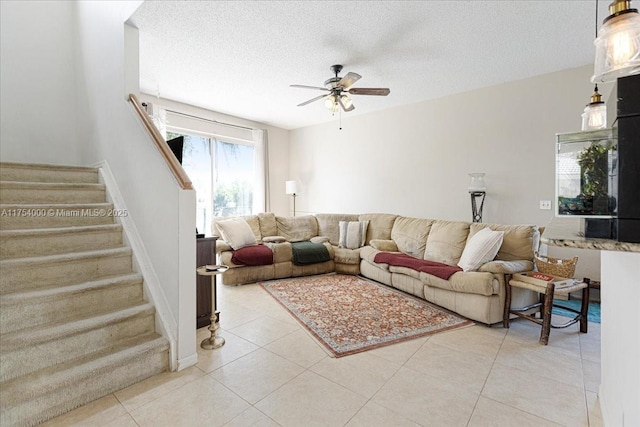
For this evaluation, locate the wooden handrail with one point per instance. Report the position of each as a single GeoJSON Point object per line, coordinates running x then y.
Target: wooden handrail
{"type": "Point", "coordinates": [161, 144]}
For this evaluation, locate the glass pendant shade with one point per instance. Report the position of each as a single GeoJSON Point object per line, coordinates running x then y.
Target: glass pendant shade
{"type": "Point", "coordinates": [477, 183]}
{"type": "Point", "coordinates": [331, 103]}
{"type": "Point", "coordinates": [595, 113]}
{"type": "Point", "coordinates": [618, 44]}
{"type": "Point", "coordinates": [594, 117]}
{"type": "Point", "coordinates": [346, 101]}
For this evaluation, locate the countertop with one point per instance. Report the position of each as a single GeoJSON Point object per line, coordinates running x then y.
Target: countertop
{"type": "Point", "coordinates": [568, 232]}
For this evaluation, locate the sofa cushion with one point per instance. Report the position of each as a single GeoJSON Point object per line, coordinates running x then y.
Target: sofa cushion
{"type": "Point", "coordinates": [446, 241]}
{"type": "Point", "coordinates": [410, 235]}
{"type": "Point", "coordinates": [297, 228]}
{"type": "Point", "coordinates": [273, 239]}
{"type": "Point", "coordinates": [481, 248]}
{"type": "Point", "coordinates": [253, 255]}
{"type": "Point", "coordinates": [384, 245]}
{"type": "Point", "coordinates": [328, 225]}
{"type": "Point", "coordinates": [403, 260]}
{"type": "Point", "coordinates": [518, 240]}
{"type": "Point", "coordinates": [320, 239]}
{"type": "Point", "coordinates": [346, 256]}
{"type": "Point", "coordinates": [474, 282]}
{"type": "Point", "coordinates": [267, 221]}
{"type": "Point", "coordinates": [368, 253]}
{"type": "Point", "coordinates": [352, 234]}
{"type": "Point", "coordinates": [236, 232]}
{"type": "Point", "coordinates": [380, 225]}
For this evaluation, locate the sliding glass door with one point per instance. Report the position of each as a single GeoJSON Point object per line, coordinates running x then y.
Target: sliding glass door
{"type": "Point", "coordinates": [223, 174]}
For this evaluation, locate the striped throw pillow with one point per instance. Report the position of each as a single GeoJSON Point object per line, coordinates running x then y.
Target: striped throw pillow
{"type": "Point", "coordinates": [353, 234]}
{"type": "Point", "coordinates": [481, 248]}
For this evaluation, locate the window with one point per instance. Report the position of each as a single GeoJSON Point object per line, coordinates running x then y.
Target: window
{"type": "Point", "coordinates": [224, 174]}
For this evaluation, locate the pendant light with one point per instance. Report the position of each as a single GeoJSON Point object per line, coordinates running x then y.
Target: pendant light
{"type": "Point", "coordinates": [618, 43]}
{"type": "Point", "coordinates": [595, 113]}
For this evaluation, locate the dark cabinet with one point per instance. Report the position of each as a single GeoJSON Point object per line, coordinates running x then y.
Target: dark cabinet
{"type": "Point", "coordinates": [205, 255]}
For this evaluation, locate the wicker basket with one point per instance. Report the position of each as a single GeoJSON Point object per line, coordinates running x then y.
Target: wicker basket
{"type": "Point", "coordinates": [562, 267]}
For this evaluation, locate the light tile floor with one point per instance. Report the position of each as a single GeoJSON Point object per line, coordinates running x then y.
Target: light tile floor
{"type": "Point", "coordinates": [272, 373]}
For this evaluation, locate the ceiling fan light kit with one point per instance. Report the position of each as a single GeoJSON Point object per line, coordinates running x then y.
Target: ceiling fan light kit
{"type": "Point", "coordinates": [338, 90]}
{"type": "Point", "coordinates": [618, 43]}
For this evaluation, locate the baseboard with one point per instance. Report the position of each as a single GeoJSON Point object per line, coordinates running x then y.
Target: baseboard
{"type": "Point", "coordinates": [165, 322]}
{"type": "Point", "coordinates": [187, 361]}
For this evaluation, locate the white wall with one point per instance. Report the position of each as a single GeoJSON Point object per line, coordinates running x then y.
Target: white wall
{"type": "Point", "coordinates": [278, 142]}
{"type": "Point", "coordinates": [620, 335]}
{"type": "Point", "coordinates": [109, 130]}
{"type": "Point", "coordinates": [38, 102]}
{"type": "Point", "coordinates": [414, 160]}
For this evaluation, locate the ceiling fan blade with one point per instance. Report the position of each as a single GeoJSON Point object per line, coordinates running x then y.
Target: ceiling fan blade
{"type": "Point", "coordinates": [312, 100]}
{"type": "Point", "coordinates": [379, 91]}
{"type": "Point", "coordinates": [349, 79]}
{"type": "Point", "coordinates": [310, 87]}
{"type": "Point", "coordinates": [345, 108]}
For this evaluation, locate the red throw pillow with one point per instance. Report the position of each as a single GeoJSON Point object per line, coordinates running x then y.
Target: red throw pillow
{"type": "Point", "coordinates": [253, 255]}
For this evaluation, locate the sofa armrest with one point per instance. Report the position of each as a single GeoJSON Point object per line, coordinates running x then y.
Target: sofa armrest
{"type": "Point", "coordinates": [507, 267]}
{"type": "Point", "coordinates": [222, 246]}
{"type": "Point", "coordinates": [384, 245]}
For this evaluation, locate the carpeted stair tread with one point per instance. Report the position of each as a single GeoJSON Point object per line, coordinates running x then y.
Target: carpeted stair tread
{"type": "Point", "coordinates": [63, 269]}
{"type": "Point", "coordinates": [51, 192]}
{"type": "Point", "coordinates": [47, 392]}
{"type": "Point", "coordinates": [50, 332]}
{"type": "Point", "coordinates": [49, 294]}
{"type": "Point", "coordinates": [68, 341]}
{"type": "Point", "coordinates": [37, 307]}
{"type": "Point", "coordinates": [66, 257]}
{"type": "Point", "coordinates": [39, 172]}
{"type": "Point", "coordinates": [53, 215]}
{"type": "Point", "coordinates": [42, 241]}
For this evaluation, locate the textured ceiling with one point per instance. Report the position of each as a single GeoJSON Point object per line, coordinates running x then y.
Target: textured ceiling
{"type": "Point", "coordinates": [239, 57]}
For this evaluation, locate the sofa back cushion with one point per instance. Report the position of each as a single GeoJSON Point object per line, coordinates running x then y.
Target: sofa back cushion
{"type": "Point", "coordinates": [268, 225]}
{"type": "Point", "coordinates": [410, 235]}
{"type": "Point", "coordinates": [328, 225]}
{"type": "Point", "coordinates": [446, 241]}
{"type": "Point", "coordinates": [518, 242]}
{"type": "Point", "coordinates": [252, 220]}
{"type": "Point", "coordinates": [297, 228]}
{"type": "Point", "coordinates": [380, 225]}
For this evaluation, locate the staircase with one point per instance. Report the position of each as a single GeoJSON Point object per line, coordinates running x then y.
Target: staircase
{"type": "Point", "coordinates": [73, 322]}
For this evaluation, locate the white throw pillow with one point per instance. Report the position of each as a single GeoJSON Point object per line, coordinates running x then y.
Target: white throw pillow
{"type": "Point", "coordinates": [353, 234]}
{"type": "Point", "coordinates": [481, 248]}
{"type": "Point", "coordinates": [236, 232]}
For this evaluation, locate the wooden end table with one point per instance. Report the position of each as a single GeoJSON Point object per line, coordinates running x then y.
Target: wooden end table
{"type": "Point", "coordinates": [214, 341]}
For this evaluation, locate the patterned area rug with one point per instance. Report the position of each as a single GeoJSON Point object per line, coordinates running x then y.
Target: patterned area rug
{"type": "Point", "coordinates": [350, 314]}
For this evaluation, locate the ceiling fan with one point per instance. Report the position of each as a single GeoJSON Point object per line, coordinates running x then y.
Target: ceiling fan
{"type": "Point", "coordinates": [337, 90]}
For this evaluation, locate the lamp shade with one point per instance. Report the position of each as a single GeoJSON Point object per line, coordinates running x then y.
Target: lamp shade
{"type": "Point", "coordinates": [477, 183]}
{"type": "Point", "coordinates": [618, 44]}
{"type": "Point", "coordinates": [595, 113]}
{"type": "Point", "coordinates": [291, 187]}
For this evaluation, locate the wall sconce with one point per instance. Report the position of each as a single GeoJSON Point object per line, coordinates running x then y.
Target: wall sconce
{"type": "Point", "coordinates": [477, 190]}
{"type": "Point", "coordinates": [291, 188]}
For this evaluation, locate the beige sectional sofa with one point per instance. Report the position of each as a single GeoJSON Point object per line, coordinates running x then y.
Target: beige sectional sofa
{"type": "Point", "coordinates": [478, 295]}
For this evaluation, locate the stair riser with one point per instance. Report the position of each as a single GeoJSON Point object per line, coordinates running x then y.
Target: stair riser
{"type": "Point", "coordinates": [27, 174]}
{"type": "Point", "coordinates": [45, 217]}
{"type": "Point", "coordinates": [32, 314]}
{"type": "Point", "coordinates": [34, 245]}
{"type": "Point", "coordinates": [34, 357]}
{"type": "Point", "coordinates": [33, 276]}
{"type": "Point", "coordinates": [36, 409]}
{"type": "Point", "coordinates": [40, 195]}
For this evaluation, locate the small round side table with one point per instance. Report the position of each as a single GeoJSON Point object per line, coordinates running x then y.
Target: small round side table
{"type": "Point", "coordinates": [214, 341]}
